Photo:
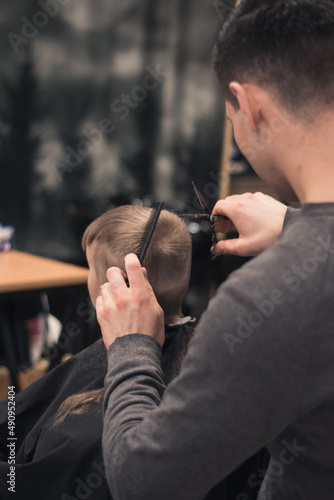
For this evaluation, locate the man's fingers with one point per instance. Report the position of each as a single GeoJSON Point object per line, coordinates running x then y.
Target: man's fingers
{"type": "Point", "coordinates": [223, 226]}
{"type": "Point", "coordinates": [116, 278]}
{"type": "Point", "coordinates": [233, 206]}
{"type": "Point", "coordinates": [98, 305]}
{"type": "Point", "coordinates": [122, 310]}
{"type": "Point", "coordinates": [100, 308]}
{"type": "Point", "coordinates": [222, 207]}
{"type": "Point", "coordinates": [118, 281]}
{"type": "Point", "coordinates": [134, 271]}
{"type": "Point", "coordinates": [231, 247]}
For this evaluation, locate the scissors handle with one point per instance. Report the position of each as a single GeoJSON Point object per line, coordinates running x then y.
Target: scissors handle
{"type": "Point", "coordinates": [209, 217]}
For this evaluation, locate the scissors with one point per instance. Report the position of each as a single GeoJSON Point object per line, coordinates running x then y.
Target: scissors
{"type": "Point", "coordinates": [207, 215]}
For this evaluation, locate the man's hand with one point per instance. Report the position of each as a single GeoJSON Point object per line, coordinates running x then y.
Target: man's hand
{"type": "Point", "coordinates": [123, 309]}
{"type": "Point", "coordinates": [258, 218]}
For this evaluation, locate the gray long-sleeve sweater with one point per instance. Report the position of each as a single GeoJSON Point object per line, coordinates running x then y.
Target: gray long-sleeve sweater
{"type": "Point", "coordinates": [259, 372]}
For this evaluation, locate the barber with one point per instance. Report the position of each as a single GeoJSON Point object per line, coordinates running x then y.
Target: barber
{"type": "Point", "coordinates": [260, 368]}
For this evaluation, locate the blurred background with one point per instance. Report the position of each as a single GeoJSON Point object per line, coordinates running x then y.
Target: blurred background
{"type": "Point", "coordinates": [103, 102]}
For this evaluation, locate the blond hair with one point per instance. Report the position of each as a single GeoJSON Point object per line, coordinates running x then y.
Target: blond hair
{"type": "Point", "coordinates": [168, 259]}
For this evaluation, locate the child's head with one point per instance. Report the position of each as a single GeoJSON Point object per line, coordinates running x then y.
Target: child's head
{"type": "Point", "coordinates": [109, 238]}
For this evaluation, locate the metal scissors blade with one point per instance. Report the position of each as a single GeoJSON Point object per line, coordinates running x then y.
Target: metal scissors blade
{"type": "Point", "coordinates": [208, 215]}
{"type": "Point", "coordinates": [202, 201]}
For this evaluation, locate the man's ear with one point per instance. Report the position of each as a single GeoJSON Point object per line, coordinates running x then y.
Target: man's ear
{"type": "Point", "coordinates": [247, 103]}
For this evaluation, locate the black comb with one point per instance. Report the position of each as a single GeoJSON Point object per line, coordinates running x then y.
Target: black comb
{"type": "Point", "coordinates": [149, 229]}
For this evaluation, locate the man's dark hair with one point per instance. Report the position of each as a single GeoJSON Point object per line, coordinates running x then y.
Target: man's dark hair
{"type": "Point", "coordinates": [285, 47]}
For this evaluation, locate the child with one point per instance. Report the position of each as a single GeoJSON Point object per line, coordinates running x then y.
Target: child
{"type": "Point", "coordinates": [168, 264]}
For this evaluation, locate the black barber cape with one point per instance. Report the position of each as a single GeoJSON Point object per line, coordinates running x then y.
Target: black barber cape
{"type": "Point", "coordinates": [65, 463]}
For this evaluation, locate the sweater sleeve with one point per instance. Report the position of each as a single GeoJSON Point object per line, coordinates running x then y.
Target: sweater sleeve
{"type": "Point", "coordinates": [236, 391]}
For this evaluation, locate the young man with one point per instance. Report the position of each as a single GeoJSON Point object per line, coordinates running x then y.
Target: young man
{"type": "Point", "coordinates": [260, 368]}
{"type": "Point", "coordinates": [56, 453]}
